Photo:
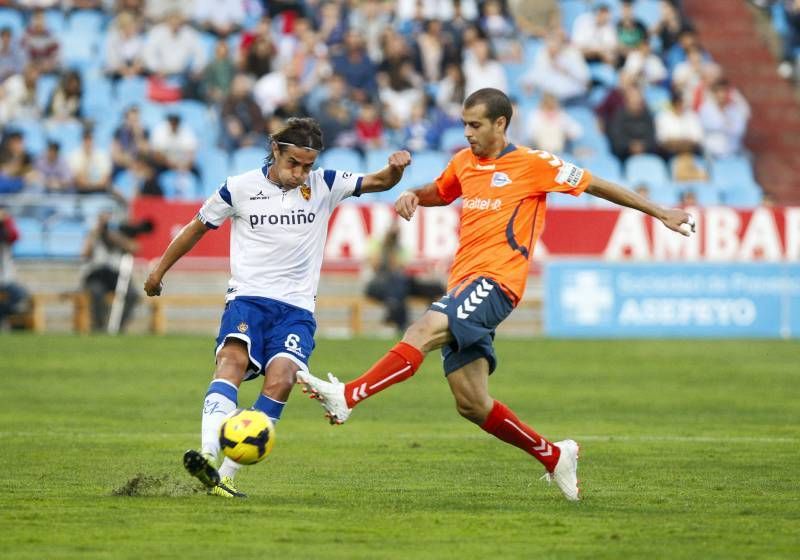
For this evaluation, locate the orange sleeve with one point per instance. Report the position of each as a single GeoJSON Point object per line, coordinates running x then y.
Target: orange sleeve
{"type": "Point", "coordinates": [447, 183]}
{"type": "Point", "coordinates": [557, 175]}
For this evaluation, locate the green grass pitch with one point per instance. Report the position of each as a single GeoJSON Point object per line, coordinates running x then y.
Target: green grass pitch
{"type": "Point", "coordinates": [689, 449]}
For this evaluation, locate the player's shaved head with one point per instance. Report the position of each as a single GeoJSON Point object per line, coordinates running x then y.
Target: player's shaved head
{"type": "Point", "coordinates": [496, 102]}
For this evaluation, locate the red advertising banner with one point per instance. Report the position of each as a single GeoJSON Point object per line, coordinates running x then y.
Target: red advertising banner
{"type": "Point", "coordinates": [723, 234]}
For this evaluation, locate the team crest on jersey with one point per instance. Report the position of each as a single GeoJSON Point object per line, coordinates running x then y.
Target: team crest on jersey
{"type": "Point", "coordinates": [242, 327]}
{"type": "Point", "coordinates": [500, 179]}
{"type": "Point", "coordinates": [305, 192]}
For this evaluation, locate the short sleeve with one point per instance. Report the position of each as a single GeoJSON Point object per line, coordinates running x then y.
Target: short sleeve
{"type": "Point", "coordinates": [217, 208]}
{"type": "Point", "coordinates": [447, 183]}
{"type": "Point", "coordinates": [556, 175]}
{"type": "Point", "coordinates": [342, 184]}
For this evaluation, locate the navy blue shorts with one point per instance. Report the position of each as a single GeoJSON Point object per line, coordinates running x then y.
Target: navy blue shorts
{"type": "Point", "coordinates": [473, 312]}
{"type": "Point", "coordinates": [270, 329]}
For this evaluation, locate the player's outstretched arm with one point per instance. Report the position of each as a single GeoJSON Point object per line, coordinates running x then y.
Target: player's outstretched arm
{"type": "Point", "coordinates": [182, 244]}
{"type": "Point", "coordinates": [674, 218]}
{"type": "Point", "coordinates": [389, 176]}
{"type": "Point", "coordinates": [406, 204]}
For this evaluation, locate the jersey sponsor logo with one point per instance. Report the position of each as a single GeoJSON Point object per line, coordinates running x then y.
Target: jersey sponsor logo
{"type": "Point", "coordinates": [569, 174]}
{"type": "Point", "coordinates": [488, 167]}
{"type": "Point", "coordinates": [305, 192]}
{"type": "Point", "coordinates": [259, 196]}
{"type": "Point", "coordinates": [500, 179]}
{"type": "Point", "coordinates": [295, 218]}
{"type": "Point", "coordinates": [482, 204]}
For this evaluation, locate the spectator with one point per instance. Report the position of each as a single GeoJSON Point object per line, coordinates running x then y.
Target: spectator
{"type": "Point", "coordinates": [369, 128]}
{"type": "Point", "coordinates": [419, 133]}
{"type": "Point", "coordinates": [371, 18]}
{"type": "Point", "coordinates": [551, 128]}
{"type": "Point", "coordinates": [724, 119]}
{"type": "Point", "coordinates": [295, 103]}
{"type": "Point", "coordinates": [688, 75]}
{"type": "Point", "coordinates": [12, 57]}
{"type": "Point", "coordinates": [669, 25]}
{"type": "Point", "coordinates": [482, 70]}
{"type": "Point", "coordinates": [451, 92]}
{"type": "Point", "coordinates": [535, 19]}
{"type": "Point", "coordinates": [272, 90]}
{"type": "Point", "coordinates": [40, 46]}
{"type": "Point", "coordinates": [646, 66]}
{"type": "Point", "coordinates": [614, 100]}
{"type": "Point", "coordinates": [500, 31]}
{"type": "Point", "coordinates": [51, 171]}
{"type": "Point", "coordinates": [124, 47]}
{"type": "Point", "coordinates": [218, 74]}
{"type": "Point", "coordinates": [332, 25]}
{"type": "Point", "coordinates": [65, 102]}
{"type": "Point", "coordinates": [242, 122]}
{"type": "Point", "coordinates": [336, 114]}
{"type": "Point", "coordinates": [688, 199]}
{"type": "Point", "coordinates": [632, 130]}
{"type": "Point", "coordinates": [14, 299]}
{"type": "Point", "coordinates": [791, 41]}
{"type": "Point", "coordinates": [103, 251]}
{"type": "Point", "coordinates": [219, 17]}
{"type": "Point", "coordinates": [677, 54]}
{"type": "Point", "coordinates": [643, 190]}
{"type": "Point", "coordinates": [678, 128]}
{"type": "Point", "coordinates": [684, 168]}
{"type": "Point", "coordinates": [594, 35]}
{"type": "Point", "coordinates": [630, 31]}
{"type": "Point", "coordinates": [356, 67]}
{"type": "Point", "coordinates": [130, 141]}
{"type": "Point", "coordinates": [435, 9]}
{"type": "Point", "coordinates": [15, 163]}
{"type": "Point", "coordinates": [18, 96]}
{"type": "Point", "coordinates": [399, 92]}
{"type": "Point", "coordinates": [559, 69]}
{"type": "Point", "coordinates": [174, 145]}
{"type": "Point", "coordinates": [431, 50]}
{"type": "Point", "coordinates": [90, 166]}
{"type": "Point", "coordinates": [391, 284]}
{"type": "Point", "coordinates": [257, 57]}
{"type": "Point", "coordinates": [173, 48]}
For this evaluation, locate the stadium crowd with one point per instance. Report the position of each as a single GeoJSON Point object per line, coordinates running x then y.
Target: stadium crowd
{"type": "Point", "coordinates": [166, 98]}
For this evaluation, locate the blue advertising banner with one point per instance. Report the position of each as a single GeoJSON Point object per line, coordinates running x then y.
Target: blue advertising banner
{"type": "Point", "coordinates": [597, 299]}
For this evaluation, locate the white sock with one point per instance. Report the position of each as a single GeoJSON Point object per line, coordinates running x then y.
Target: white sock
{"type": "Point", "coordinates": [220, 401]}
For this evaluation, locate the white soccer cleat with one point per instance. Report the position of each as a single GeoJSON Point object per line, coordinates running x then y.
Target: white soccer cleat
{"type": "Point", "coordinates": [329, 393]}
{"type": "Point", "coordinates": [565, 474]}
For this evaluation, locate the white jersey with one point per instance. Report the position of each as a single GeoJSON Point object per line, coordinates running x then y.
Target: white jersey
{"type": "Point", "coordinates": [278, 237]}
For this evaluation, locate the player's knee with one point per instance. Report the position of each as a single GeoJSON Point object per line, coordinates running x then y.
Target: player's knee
{"type": "Point", "coordinates": [232, 362]}
{"type": "Point", "coordinates": [473, 410]}
{"type": "Point", "coordinates": [428, 332]}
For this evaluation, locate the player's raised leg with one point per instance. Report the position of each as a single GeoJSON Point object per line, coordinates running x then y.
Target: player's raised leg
{"type": "Point", "coordinates": [398, 364]}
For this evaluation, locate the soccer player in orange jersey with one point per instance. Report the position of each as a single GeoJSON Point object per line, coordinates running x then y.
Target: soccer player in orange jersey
{"type": "Point", "coordinates": [503, 189]}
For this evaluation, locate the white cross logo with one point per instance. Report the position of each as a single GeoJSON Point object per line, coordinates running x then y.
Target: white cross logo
{"type": "Point", "coordinates": [587, 297]}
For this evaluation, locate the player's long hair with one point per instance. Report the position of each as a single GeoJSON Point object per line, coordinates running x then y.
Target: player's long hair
{"type": "Point", "coordinates": [301, 132]}
{"type": "Point", "coordinates": [496, 102]}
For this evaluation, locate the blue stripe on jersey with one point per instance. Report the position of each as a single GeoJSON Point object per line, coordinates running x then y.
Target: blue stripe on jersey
{"type": "Point", "coordinates": [512, 241]}
{"type": "Point", "coordinates": [265, 170]}
{"type": "Point", "coordinates": [329, 175]}
{"type": "Point", "coordinates": [357, 191]}
{"type": "Point", "coordinates": [507, 150]}
{"type": "Point", "coordinates": [225, 389]}
{"type": "Point", "coordinates": [225, 193]}
{"type": "Point", "coordinates": [205, 222]}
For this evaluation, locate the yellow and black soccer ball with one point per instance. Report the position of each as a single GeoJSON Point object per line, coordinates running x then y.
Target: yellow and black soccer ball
{"type": "Point", "coordinates": [247, 436]}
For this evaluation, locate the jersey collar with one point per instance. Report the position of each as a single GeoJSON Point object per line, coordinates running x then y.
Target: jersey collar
{"type": "Point", "coordinates": [510, 147]}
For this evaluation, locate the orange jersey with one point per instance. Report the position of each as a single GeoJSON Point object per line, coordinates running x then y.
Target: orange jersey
{"type": "Point", "coordinates": [502, 215]}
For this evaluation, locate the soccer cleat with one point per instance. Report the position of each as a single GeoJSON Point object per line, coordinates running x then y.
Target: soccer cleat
{"type": "Point", "coordinates": [565, 474]}
{"type": "Point", "coordinates": [329, 393]}
{"type": "Point", "coordinates": [201, 467]}
{"type": "Point", "coordinates": [226, 489]}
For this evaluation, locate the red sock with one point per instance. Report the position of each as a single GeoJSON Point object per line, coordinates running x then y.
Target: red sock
{"type": "Point", "coordinates": [503, 424]}
{"type": "Point", "coordinates": [398, 364]}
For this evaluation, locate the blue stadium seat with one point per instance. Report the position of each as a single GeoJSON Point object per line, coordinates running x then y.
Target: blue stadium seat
{"type": "Point", "coordinates": [604, 74]}
{"type": "Point", "coordinates": [561, 200]}
{"type": "Point", "coordinates": [66, 133]}
{"type": "Point", "coordinates": [342, 159]}
{"type": "Point", "coordinates": [31, 238]}
{"type": "Point", "coordinates": [65, 239]}
{"type": "Point", "coordinates": [13, 19]}
{"type": "Point", "coordinates": [779, 21]}
{"type": "Point", "coordinates": [214, 169]}
{"type": "Point", "coordinates": [126, 184]}
{"type": "Point", "coordinates": [647, 11]}
{"type": "Point", "coordinates": [79, 50]}
{"type": "Point", "coordinates": [179, 185]}
{"type": "Point", "coordinates": [732, 172]}
{"type": "Point", "coordinates": [245, 159]}
{"type": "Point", "coordinates": [151, 114]}
{"type": "Point", "coordinates": [570, 10]}
{"type": "Point", "coordinates": [743, 198]}
{"type": "Point", "coordinates": [425, 167]}
{"type": "Point", "coordinates": [200, 119]}
{"type": "Point", "coordinates": [45, 86]}
{"type": "Point", "coordinates": [55, 21]}
{"type": "Point", "coordinates": [131, 91]}
{"type": "Point", "coordinates": [89, 206]}
{"type": "Point", "coordinates": [705, 193]}
{"type": "Point", "coordinates": [665, 196]}
{"type": "Point", "coordinates": [33, 134]}
{"type": "Point", "coordinates": [656, 97]}
{"type": "Point", "coordinates": [86, 22]}
{"type": "Point", "coordinates": [376, 159]}
{"type": "Point", "coordinates": [453, 139]}
{"type": "Point", "coordinates": [646, 168]}
{"type": "Point", "coordinates": [97, 98]}
{"type": "Point", "coordinates": [604, 165]}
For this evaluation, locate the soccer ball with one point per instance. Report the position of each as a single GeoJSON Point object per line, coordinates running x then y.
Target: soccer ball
{"type": "Point", "coordinates": [247, 436]}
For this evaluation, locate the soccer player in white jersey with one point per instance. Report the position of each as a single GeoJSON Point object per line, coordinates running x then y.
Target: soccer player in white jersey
{"type": "Point", "coordinates": [279, 217]}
